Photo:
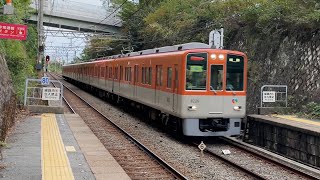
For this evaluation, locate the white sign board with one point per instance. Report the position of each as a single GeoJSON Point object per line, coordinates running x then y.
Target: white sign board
{"type": "Point", "coordinates": [45, 81]}
{"type": "Point", "coordinates": [50, 93]}
{"type": "Point", "coordinates": [269, 96]}
{"type": "Point", "coordinates": [202, 146]}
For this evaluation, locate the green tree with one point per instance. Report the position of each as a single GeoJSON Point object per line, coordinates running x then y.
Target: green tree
{"type": "Point", "coordinates": [20, 55]}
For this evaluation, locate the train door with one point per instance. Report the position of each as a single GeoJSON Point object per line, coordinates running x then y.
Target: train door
{"type": "Point", "coordinates": [158, 84]}
{"type": "Point", "coordinates": [114, 81]}
{"type": "Point", "coordinates": [175, 88]}
{"type": "Point", "coordinates": [112, 71]}
{"type": "Point", "coordinates": [120, 77]}
{"type": "Point", "coordinates": [135, 80]}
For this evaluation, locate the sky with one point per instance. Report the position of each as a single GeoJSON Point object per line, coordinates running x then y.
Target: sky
{"type": "Point", "coordinates": [67, 56]}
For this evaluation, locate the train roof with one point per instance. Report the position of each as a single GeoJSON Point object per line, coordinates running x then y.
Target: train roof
{"type": "Point", "coordinates": [174, 48]}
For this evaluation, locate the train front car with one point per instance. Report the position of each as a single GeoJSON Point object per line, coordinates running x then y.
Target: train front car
{"type": "Point", "coordinates": [213, 101]}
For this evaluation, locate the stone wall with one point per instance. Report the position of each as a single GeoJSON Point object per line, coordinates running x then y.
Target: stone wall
{"type": "Point", "coordinates": [281, 58]}
{"type": "Point", "coordinates": [293, 142]}
{"type": "Point", "coordinates": [7, 100]}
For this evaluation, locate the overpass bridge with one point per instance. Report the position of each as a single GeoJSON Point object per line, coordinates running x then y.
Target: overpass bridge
{"type": "Point", "coordinates": [78, 16]}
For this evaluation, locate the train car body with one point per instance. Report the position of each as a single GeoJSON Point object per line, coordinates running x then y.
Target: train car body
{"type": "Point", "coordinates": [204, 89]}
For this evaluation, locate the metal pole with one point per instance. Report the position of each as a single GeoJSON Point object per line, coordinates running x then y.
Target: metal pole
{"type": "Point", "coordinates": [221, 39]}
{"type": "Point", "coordinates": [25, 92]}
{"type": "Point", "coordinates": [261, 95]}
{"type": "Point", "coordinates": [286, 96]}
{"type": "Point", "coordinates": [40, 31]}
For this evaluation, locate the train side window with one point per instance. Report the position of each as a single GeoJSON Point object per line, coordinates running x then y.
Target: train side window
{"type": "Point", "coordinates": [176, 77]}
{"type": "Point", "coordinates": [110, 72]}
{"type": "Point", "coordinates": [169, 77]}
{"type": "Point", "coordinates": [136, 73]}
{"type": "Point", "coordinates": [150, 75]}
{"type": "Point", "coordinates": [216, 80]}
{"type": "Point", "coordinates": [129, 74]}
{"type": "Point", "coordinates": [126, 73]}
{"type": "Point", "coordinates": [106, 73]}
{"type": "Point", "coordinates": [143, 75]}
{"type": "Point", "coordinates": [101, 72]}
{"type": "Point", "coordinates": [121, 73]}
{"type": "Point", "coordinates": [147, 75]}
{"type": "Point", "coordinates": [116, 73]}
{"type": "Point", "coordinates": [159, 75]}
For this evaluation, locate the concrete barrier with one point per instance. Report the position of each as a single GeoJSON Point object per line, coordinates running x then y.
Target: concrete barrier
{"type": "Point", "coordinates": [300, 144]}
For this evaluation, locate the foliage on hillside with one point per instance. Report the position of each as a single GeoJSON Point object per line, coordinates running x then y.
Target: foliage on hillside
{"type": "Point", "coordinates": [156, 23]}
{"type": "Point", "coordinates": [311, 110]}
{"type": "Point", "coordinates": [166, 22]}
{"type": "Point", "coordinates": [20, 55]}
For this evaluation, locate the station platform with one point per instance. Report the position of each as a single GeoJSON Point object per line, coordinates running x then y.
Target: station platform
{"type": "Point", "coordinates": [291, 136]}
{"type": "Point", "coordinates": [56, 146]}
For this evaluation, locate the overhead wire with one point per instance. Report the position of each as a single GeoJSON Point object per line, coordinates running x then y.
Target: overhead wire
{"type": "Point", "coordinates": [132, 15]}
{"type": "Point", "coordinates": [112, 12]}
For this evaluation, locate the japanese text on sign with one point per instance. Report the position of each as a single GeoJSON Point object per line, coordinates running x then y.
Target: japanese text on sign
{"type": "Point", "coordinates": [13, 31]}
{"type": "Point", "coordinates": [50, 93]}
{"type": "Point", "coordinates": [269, 96]}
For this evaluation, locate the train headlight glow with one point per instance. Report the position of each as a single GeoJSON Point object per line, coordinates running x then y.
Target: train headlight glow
{"type": "Point", "coordinates": [237, 108]}
{"type": "Point", "coordinates": [192, 108]}
{"type": "Point", "coordinates": [213, 56]}
{"type": "Point", "coordinates": [221, 56]}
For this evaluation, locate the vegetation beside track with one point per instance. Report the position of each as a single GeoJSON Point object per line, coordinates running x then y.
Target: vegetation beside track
{"type": "Point", "coordinates": [159, 23]}
{"type": "Point", "coordinates": [20, 55]}
{"type": "Point", "coordinates": [17, 61]}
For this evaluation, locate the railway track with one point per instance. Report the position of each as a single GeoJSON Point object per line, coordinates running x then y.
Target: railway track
{"type": "Point", "coordinates": [304, 172]}
{"type": "Point", "coordinates": [238, 162]}
{"type": "Point", "coordinates": [251, 173]}
{"type": "Point", "coordinates": [137, 160]}
{"type": "Point", "coordinates": [232, 163]}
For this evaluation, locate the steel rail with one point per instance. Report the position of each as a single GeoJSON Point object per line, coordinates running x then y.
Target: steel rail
{"type": "Point", "coordinates": [260, 155]}
{"type": "Point", "coordinates": [64, 99]}
{"type": "Point", "coordinates": [247, 171]}
{"type": "Point", "coordinates": [164, 164]}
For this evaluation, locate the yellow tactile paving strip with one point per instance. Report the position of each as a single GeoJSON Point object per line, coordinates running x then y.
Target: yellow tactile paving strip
{"type": "Point", "coordinates": [295, 118]}
{"type": "Point", "coordinates": [55, 163]}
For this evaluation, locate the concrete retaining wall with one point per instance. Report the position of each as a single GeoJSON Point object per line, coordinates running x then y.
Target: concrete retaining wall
{"type": "Point", "coordinates": [293, 142]}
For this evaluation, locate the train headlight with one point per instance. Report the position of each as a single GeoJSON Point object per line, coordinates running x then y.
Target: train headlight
{"type": "Point", "coordinates": [221, 56]}
{"type": "Point", "coordinates": [237, 108]}
{"type": "Point", "coordinates": [213, 56]}
{"type": "Point", "coordinates": [192, 108]}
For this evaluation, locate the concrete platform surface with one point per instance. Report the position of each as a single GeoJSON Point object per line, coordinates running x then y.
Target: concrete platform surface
{"type": "Point", "coordinates": [56, 146]}
{"type": "Point", "coordinates": [294, 122]}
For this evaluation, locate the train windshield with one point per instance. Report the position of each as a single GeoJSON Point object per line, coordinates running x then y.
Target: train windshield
{"type": "Point", "coordinates": [235, 68]}
{"type": "Point", "coordinates": [216, 79]}
{"type": "Point", "coordinates": [196, 72]}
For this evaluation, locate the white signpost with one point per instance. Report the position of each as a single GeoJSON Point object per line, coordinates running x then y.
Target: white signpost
{"type": "Point", "coordinates": [201, 146]}
{"type": "Point", "coordinates": [50, 93]}
{"type": "Point", "coordinates": [269, 96]}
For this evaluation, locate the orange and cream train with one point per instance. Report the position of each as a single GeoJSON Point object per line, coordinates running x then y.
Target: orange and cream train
{"type": "Point", "coordinates": [190, 88]}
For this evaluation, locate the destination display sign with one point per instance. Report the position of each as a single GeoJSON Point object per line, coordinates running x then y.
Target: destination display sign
{"type": "Point", "coordinates": [13, 31]}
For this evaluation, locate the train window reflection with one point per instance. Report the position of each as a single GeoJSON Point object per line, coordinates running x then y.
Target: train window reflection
{"type": "Point", "coordinates": [196, 72]}
{"type": "Point", "coordinates": [235, 68]}
{"type": "Point", "coordinates": [216, 77]}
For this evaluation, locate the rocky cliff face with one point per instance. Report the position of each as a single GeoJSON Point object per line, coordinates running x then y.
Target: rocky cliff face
{"type": "Point", "coordinates": [7, 99]}
{"type": "Point", "coordinates": [282, 58]}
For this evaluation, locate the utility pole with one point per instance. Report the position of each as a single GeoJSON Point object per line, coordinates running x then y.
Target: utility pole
{"type": "Point", "coordinates": [40, 39]}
